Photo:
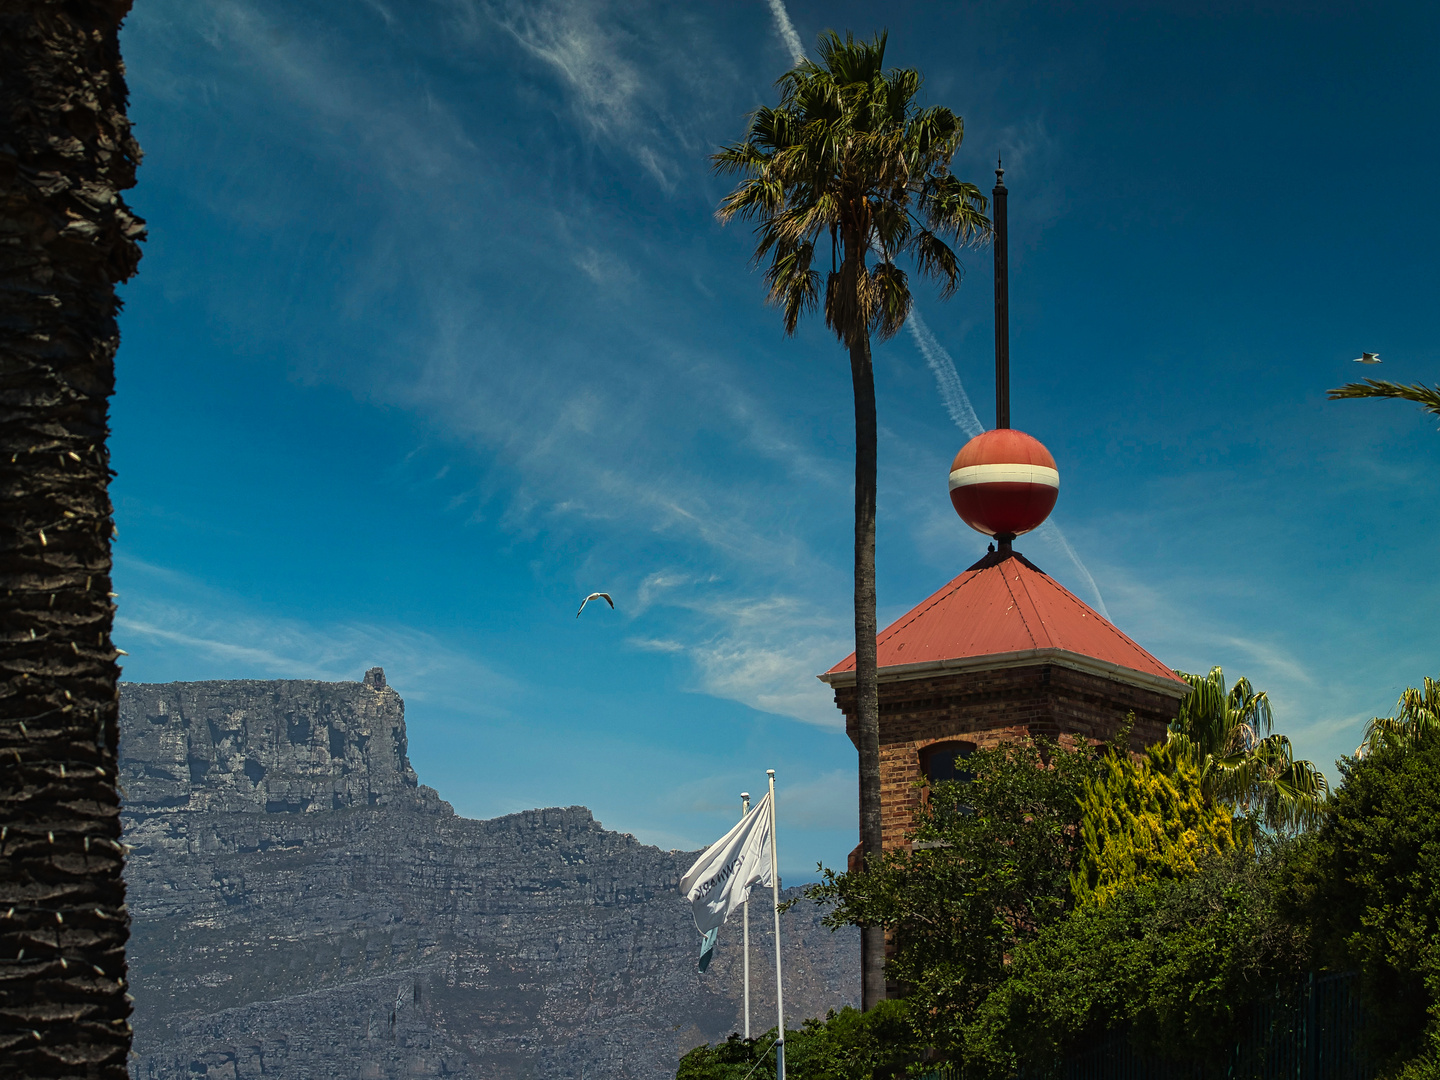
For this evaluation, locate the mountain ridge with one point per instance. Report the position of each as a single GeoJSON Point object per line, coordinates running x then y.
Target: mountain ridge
{"type": "Point", "coordinates": [303, 906]}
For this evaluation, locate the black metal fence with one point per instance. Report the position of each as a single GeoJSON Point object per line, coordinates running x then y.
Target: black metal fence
{"type": "Point", "coordinates": [1309, 1033]}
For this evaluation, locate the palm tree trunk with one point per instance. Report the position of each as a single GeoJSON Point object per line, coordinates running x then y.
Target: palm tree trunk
{"type": "Point", "coordinates": [66, 239]}
{"type": "Point", "coordinates": [867, 700]}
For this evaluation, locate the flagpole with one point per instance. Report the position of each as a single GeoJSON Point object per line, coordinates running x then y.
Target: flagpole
{"type": "Point", "coordinates": [745, 809]}
{"type": "Point", "coordinates": [779, 980]}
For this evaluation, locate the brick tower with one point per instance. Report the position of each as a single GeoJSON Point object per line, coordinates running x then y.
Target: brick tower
{"type": "Point", "coordinates": [1003, 652]}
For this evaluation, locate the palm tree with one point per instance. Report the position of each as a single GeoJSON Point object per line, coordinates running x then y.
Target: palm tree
{"type": "Point", "coordinates": [1227, 735]}
{"type": "Point", "coordinates": [66, 154]}
{"type": "Point", "coordinates": [1424, 396]}
{"type": "Point", "coordinates": [850, 154]}
{"type": "Point", "coordinates": [1416, 719]}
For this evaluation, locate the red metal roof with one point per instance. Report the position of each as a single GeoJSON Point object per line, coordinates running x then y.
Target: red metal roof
{"type": "Point", "coordinates": [1006, 607]}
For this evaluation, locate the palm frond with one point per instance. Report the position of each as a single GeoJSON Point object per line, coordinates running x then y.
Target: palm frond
{"type": "Point", "coordinates": [1227, 734]}
{"type": "Point", "coordinates": [848, 150]}
{"type": "Point", "coordinates": [758, 196]}
{"type": "Point", "coordinates": [936, 132]}
{"type": "Point", "coordinates": [1426, 397]}
{"type": "Point", "coordinates": [935, 259]}
{"type": "Point", "coordinates": [891, 291]}
{"type": "Point", "coordinates": [1416, 721]}
{"type": "Point", "coordinates": [794, 285]}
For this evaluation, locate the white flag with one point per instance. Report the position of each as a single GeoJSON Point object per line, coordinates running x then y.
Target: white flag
{"type": "Point", "coordinates": [721, 878]}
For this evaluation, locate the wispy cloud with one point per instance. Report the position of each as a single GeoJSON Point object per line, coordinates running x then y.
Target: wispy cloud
{"type": "Point", "coordinates": [222, 637]}
{"type": "Point", "coordinates": [1312, 705]}
{"type": "Point", "coordinates": [637, 76]}
{"type": "Point", "coordinates": [763, 651]}
{"type": "Point", "coordinates": [1032, 156]}
{"type": "Point", "coordinates": [601, 420]}
{"type": "Point", "coordinates": [415, 138]}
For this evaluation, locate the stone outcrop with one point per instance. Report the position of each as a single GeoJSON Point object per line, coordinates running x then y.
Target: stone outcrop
{"type": "Point", "coordinates": [303, 907]}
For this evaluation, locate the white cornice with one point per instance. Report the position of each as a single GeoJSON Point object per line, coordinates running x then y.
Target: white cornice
{"type": "Point", "coordinates": [1023, 658]}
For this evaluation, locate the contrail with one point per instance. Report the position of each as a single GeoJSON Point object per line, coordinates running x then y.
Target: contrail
{"type": "Point", "coordinates": [786, 29]}
{"type": "Point", "coordinates": [957, 404]}
{"type": "Point", "coordinates": [952, 390]}
{"type": "Point", "coordinates": [1051, 533]}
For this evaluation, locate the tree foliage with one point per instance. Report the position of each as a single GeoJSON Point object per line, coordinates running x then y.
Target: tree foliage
{"type": "Point", "coordinates": [848, 1045]}
{"type": "Point", "coordinates": [1227, 736]}
{"type": "Point", "coordinates": [989, 869]}
{"type": "Point", "coordinates": [1142, 821]}
{"type": "Point", "coordinates": [1416, 720]}
{"type": "Point", "coordinates": [851, 153]}
{"type": "Point", "coordinates": [1369, 885]}
{"type": "Point", "coordinates": [1177, 961]}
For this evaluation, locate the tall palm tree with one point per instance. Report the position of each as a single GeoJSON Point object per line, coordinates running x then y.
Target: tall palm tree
{"type": "Point", "coordinates": [850, 154]}
{"type": "Point", "coordinates": [66, 154]}
{"type": "Point", "coordinates": [1426, 397]}
{"type": "Point", "coordinates": [1416, 719]}
{"type": "Point", "coordinates": [1227, 735]}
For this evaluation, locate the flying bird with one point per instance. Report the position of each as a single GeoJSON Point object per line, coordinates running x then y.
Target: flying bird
{"type": "Point", "coordinates": [596, 596]}
{"type": "Point", "coordinates": [1368, 358]}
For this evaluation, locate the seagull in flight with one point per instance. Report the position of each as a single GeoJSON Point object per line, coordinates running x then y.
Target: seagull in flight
{"type": "Point", "coordinates": [1368, 358]}
{"type": "Point", "coordinates": [596, 596]}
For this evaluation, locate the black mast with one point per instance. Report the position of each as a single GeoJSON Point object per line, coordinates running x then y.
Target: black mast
{"type": "Point", "coordinates": [1002, 324]}
{"type": "Point", "coordinates": [1002, 304]}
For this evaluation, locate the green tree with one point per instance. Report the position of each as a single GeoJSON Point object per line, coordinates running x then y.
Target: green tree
{"type": "Point", "coordinates": [1143, 821]}
{"type": "Point", "coordinates": [1227, 736]}
{"type": "Point", "coordinates": [848, 1045]}
{"type": "Point", "coordinates": [66, 156]}
{"type": "Point", "coordinates": [1369, 885]}
{"type": "Point", "coordinates": [1426, 397]}
{"type": "Point", "coordinates": [989, 869]}
{"type": "Point", "coordinates": [849, 153]}
{"type": "Point", "coordinates": [1416, 720]}
{"type": "Point", "coordinates": [1178, 961]}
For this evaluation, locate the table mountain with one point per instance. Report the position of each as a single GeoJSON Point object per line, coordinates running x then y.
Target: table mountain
{"type": "Point", "coordinates": [304, 908]}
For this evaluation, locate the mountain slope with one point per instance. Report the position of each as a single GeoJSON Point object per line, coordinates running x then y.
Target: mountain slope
{"type": "Point", "coordinates": [303, 907]}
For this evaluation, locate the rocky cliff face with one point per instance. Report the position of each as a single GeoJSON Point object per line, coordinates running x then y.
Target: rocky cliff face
{"type": "Point", "coordinates": [303, 907]}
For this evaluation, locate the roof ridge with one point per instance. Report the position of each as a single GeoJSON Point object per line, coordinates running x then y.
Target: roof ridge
{"type": "Point", "coordinates": [1025, 622]}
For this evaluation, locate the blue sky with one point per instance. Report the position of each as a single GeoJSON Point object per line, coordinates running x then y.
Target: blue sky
{"type": "Point", "coordinates": [435, 333]}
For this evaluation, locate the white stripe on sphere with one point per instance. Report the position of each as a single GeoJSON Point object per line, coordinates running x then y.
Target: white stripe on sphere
{"type": "Point", "coordinates": [1004, 473]}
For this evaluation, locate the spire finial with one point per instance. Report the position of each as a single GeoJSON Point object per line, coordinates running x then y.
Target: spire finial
{"type": "Point", "coordinates": [999, 172]}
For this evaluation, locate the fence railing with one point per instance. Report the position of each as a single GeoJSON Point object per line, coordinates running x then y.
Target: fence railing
{"type": "Point", "coordinates": [1309, 1033]}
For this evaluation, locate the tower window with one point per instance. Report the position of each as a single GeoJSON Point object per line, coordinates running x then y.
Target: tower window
{"type": "Point", "coordinates": [944, 761]}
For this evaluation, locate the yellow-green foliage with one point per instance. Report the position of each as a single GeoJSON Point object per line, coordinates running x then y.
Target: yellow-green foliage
{"type": "Point", "coordinates": [1144, 821]}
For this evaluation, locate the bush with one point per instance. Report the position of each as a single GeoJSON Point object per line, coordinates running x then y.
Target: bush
{"type": "Point", "coordinates": [1176, 960]}
{"type": "Point", "coordinates": [848, 1045]}
{"type": "Point", "coordinates": [993, 871]}
{"type": "Point", "coordinates": [1144, 821]}
{"type": "Point", "coordinates": [1368, 883]}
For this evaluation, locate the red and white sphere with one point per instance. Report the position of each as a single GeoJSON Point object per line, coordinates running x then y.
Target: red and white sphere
{"type": "Point", "coordinates": [1004, 481]}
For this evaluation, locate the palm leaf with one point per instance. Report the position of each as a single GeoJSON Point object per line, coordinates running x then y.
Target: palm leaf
{"type": "Point", "coordinates": [1416, 720]}
{"type": "Point", "coordinates": [849, 151]}
{"type": "Point", "coordinates": [1426, 397]}
{"type": "Point", "coordinates": [1226, 734]}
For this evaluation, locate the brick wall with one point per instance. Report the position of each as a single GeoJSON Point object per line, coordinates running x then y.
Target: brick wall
{"type": "Point", "coordinates": [987, 708]}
